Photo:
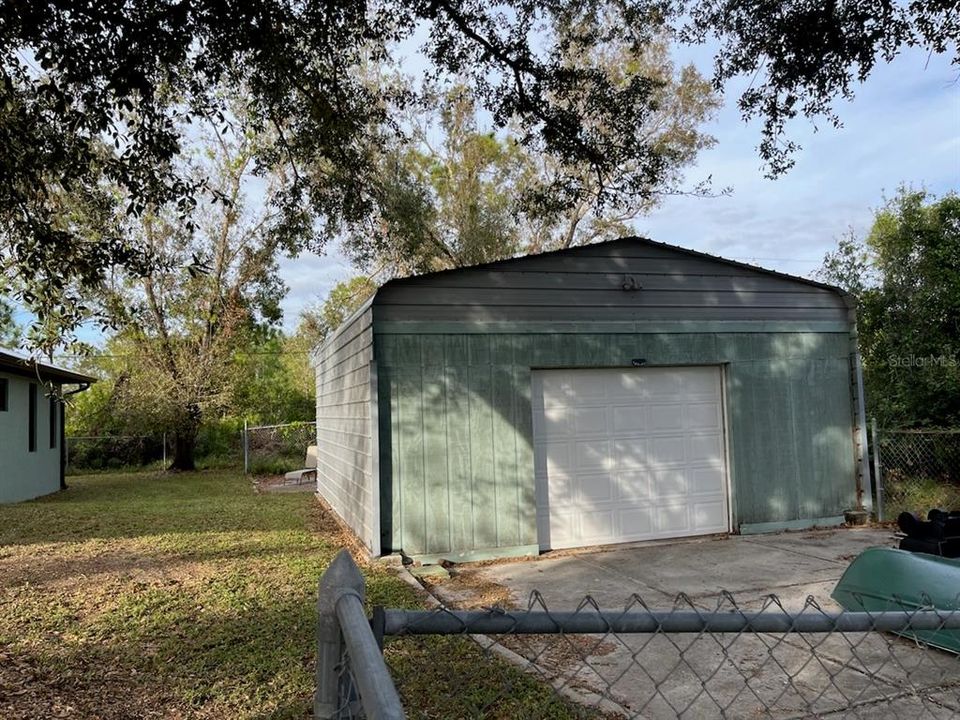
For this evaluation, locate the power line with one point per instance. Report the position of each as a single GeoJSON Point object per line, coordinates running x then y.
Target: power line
{"type": "Point", "coordinates": [100, 356]}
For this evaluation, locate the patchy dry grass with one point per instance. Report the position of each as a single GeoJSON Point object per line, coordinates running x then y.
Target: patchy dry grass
{"type": "Point", "coordinates": [190, 596]}
{"type": "Point", "coordinates": [918, 495]}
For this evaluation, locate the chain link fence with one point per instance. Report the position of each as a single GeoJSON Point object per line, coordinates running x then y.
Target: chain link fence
{"type": "Point", "coordinates": [261, 449]}
{"type": "Point", "coordinates": [916, 470]}
{"type": "Point", "coordinates": [277, 449]}
{"type": "Point", "coordinates": [731, 660]}
{"type": "Point", "coordinates": [93, 453]}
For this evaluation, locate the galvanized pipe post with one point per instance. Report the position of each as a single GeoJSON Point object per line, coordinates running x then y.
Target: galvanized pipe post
{"type": "Point", "coordinates": [864, 487]}
{"type": "Point", "coordinates": [246, 450]}
{"type": "Point", "coordinates": [877, 468]}
{"type": "Point", "coordinates": [343, 631]}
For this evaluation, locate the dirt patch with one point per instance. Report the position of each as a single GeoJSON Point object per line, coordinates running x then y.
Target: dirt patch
{"type": "Point", "coordinates": [278, 483]}
{"type": "Point", "coordinates": [473, 590]}
{"type": "Point", "coordinates": [322, 520]}
{"type": "Point", "coordinates": [65, 567]}
{"type": "Point", "coordinates": [559, 654]}
{"type": "Point", "coordinates": [468, 588]}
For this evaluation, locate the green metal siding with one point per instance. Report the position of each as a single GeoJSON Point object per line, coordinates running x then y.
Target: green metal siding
{"type": "Point", "coordinates": [455, 422]}
{"type": "Point", "coordinates": [23, 474]}
{"type": "Point", "coordinates": [347, 475]}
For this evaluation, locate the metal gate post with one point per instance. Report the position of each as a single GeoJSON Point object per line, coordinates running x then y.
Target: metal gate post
{"type": "Point", "coordinates": [338, 578]}
{"type": "Point", "coordinates": [877, 469]}
{"type": "Point", "coordinates": [349, 658]}
{"type": "Point", "coordinates": [246, 450]}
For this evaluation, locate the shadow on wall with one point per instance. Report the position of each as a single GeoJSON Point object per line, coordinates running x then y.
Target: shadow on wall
{"type": "Point", "coordinates": [456, 434]}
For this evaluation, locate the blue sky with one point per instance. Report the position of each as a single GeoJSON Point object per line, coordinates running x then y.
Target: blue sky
{"type": "Point", "coordinates": [902, 127]}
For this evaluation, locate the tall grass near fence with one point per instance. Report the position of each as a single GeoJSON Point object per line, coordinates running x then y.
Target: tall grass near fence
{"type": "Point", "coordinates": [917, 470]}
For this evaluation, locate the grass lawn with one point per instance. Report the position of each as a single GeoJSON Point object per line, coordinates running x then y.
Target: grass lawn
{"type": "Point", "coordinates": [149, 595]}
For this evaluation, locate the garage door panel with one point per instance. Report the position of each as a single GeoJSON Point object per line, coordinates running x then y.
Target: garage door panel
{"type": "Point", "coordinates": [648, 453]}
{"type": "Point", "coordinates": [596, 526]}
{"type": "Point", "coordinates": [672, 519]}
{"type": "Point", "coordinates": [710, 514]}
{"type": "Point", "coordinates": [587, 385]}
{"type": "Point", "coordinates": [629, 419]}
{"type": "Point", "coordinates": [701, 448]}
{"type": "Point", "coordinates": [628, 454]}
{"type": "Point", "coordinates": [661, 451]}
{"type": "Point", "coordinates": [626, 385]}
{"type": "Point", "coordinates": [554, 390]}
{"type": "Point", "coordinates": [660, 383]}
{"type": "Point", "coordinates": [596, 488]}
{"type": "Point", "coordinates": [663, 417]}
{"type": "Point", "coordinates": [559, 460]}
{"type": "Point", "coordinates": [706, 479]}
{"type": "Point", "coordinates": [562, 493]}
{"type": "Point", "coordinates": [704, 416]}
{"type": "Point", "coordinates": [632, 486]}
{"type": "Point", "coordinates": [554, 423]}
{"type": "Point", "coordinates": [564, 528]}
{"type": "Point", "coordinates": [590, 421]}
{"type": "Point", "coordinates": [636, 522]}
{"type": "Point", "coordinates": [592, 456]}
{"type": "Point", "coordinates": [703, 384]}
{"type": "Point", "coordinates": [669, 484]}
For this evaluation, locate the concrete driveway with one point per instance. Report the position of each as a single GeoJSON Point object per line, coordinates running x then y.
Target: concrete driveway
{"type": "Point", "coordinates": [868, 675]}
{"type": "Point", "coordinates": [790, 565]}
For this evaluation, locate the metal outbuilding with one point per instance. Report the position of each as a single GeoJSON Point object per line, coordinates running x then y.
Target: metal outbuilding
{"type": "Point", "coordinates": [616, 392]}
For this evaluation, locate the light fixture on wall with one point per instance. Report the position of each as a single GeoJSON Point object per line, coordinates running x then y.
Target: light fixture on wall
{"type": "Point", "coordinates": [630, 283]}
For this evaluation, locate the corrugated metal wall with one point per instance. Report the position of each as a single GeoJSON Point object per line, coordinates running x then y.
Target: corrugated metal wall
{"type": "Point", "coordinates": [457, 426]}
{"type": "Point", "coordinates": [628, 279]}
{"type": "Point", "coordinates": [346, 435]}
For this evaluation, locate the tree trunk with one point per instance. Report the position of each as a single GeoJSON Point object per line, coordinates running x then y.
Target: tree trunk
{"type": "Point", "coordinates": [185, 441]}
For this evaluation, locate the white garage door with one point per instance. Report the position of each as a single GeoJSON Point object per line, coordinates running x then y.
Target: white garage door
{"type": "Point", "coordinates": [624, 455]}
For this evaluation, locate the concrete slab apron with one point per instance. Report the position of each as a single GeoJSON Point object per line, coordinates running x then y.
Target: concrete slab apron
{"type": "Point", "coordinates": [691, 676]}
{"type": "Point", "coordinates": [748, 567]}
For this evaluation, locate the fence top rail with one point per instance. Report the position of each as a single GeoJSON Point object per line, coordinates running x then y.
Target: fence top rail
{"type": "Point", "coordinates": [110, 437]}
{"type": "Point", "coordinates": [928, 431]}
{"type": "Point", "coordinates": [274, 427]}
{"type": "Point", "coordinates": [524, 622]}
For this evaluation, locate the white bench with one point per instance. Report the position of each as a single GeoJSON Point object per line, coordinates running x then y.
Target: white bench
{"type": "Point", "coordinates": [308, 472]}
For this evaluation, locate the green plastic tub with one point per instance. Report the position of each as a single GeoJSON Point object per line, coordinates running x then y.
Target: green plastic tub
{"type": "Point", "coordinates": [884, 579]}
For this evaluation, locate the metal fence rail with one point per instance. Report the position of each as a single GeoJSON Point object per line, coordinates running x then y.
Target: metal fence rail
{"type": "Point", "coordinates": [532, 622]}
{"type": "Point", "coordinates": [752, 660]}
{"type": "Point", "coordinates": [916, 470]}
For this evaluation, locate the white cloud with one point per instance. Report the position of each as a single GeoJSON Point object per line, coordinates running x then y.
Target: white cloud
{"type": "Point", "coordinates": [309, 278]}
